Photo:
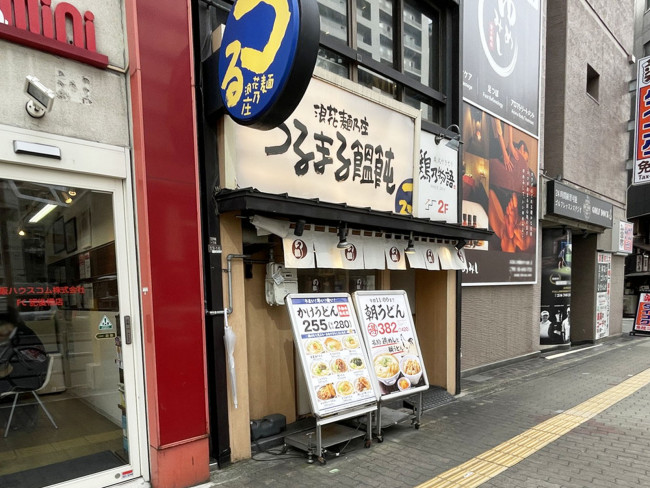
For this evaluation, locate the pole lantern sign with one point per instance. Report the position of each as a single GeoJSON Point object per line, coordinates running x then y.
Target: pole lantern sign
{"type": "Point", "coordinates": [266, 59]}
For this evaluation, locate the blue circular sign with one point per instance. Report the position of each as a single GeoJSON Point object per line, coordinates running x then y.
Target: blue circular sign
{"type": "Point", "coordinates": [260, 51]}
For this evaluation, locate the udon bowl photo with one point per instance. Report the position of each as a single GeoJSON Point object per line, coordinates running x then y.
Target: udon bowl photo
{"type": "Point", "coordinates": [411, 368]}
{"type": "Point", "coordinates": [386, 368]}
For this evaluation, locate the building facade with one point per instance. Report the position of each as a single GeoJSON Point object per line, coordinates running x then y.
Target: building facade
{"type": "Point", "coordinates": [586, 50]}
{"type": "Point", "coordinates": [638, 209]}
{"type": "Point", "coordinates": [101, 263]}
{"type": "Point", "coordinates": [280, 191]}
{"type": "Point", "coordinates": [140, 223]}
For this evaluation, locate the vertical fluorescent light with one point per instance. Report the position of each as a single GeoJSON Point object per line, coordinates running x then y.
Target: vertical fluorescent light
{"type": "Point", "coordinates": [38, 216]}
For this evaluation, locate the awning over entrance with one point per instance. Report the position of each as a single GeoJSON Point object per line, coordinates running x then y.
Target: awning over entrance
{"type": "Point", "coordinates": [251, 202]}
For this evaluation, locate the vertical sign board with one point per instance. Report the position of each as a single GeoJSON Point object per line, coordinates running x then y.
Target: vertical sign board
{"type": "Point", "coordinates": [642, 132]}
{"type": "Point", "coordinates": [331, 351]}
{"type": "Point", "coordinates": [603, 284]}
{"type": "Point", "coordinates": [435, 185]}
{"type": "Point", "coordinates": [389, 333]}
{"type": "Point", "coordinates": [501, 80]}
{"type": "Point", "coordinates": [623, 237]}
{"type": "Point", "coordinates": [555, 310]}
{"type": "Point", "coordinates": [642, 320]}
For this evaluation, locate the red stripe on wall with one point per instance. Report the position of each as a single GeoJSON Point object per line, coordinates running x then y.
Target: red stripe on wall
{"type": "Point", "coordinates": [166, 174]}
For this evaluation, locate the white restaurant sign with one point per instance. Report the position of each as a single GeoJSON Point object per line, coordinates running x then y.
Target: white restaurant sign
{"type": "Point", "coordinates": [337, 146]}
{"type": "Point", "coordinates": [642, 133]}
{"type": "Point", "coordinates": [435, 187]}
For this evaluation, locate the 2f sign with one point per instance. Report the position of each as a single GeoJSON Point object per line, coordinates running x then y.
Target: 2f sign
{"type": "Point", "coordinates": [249, 58]}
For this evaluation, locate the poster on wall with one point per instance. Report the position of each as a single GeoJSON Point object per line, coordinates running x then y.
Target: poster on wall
{"type": "Point", "coordinates": [499, 192]}
{"type": "Point", "coordinates": [389, 333]}
{"type": "Point", "coordinates": [555, 309]}
{"type": "Point", "coordinates": [642, 319]}
{"type": "Point", "coordinates": [603, 284]}
{"type": "Point", "coordinates": [331, 351]}
{"type": "Point", "coordinates": [501, 63]}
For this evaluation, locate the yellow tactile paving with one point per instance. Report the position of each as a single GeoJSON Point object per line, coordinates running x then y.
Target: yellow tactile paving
{"type": "Point", "coordinates": [489, 464]}
{"type": "Point", "coordinates": [501, 458]}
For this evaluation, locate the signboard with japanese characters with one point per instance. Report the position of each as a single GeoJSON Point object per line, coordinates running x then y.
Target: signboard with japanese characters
{"type": "Point", "coordinates": [642, 319]}
{"type": "Point", "coordinates": [392, 343]}
{"type": "Point", "coordinates": [502, 58]}
{"type": "Point", "coordinates": [267, 57]}
{"type": "Point", "coordinates": [337, 146]}
{"type": "Point", "coordinates": [623, 237]}
{"type": "Point", "coordinates": [603, 289]}
{"type": "Point", "coordinates": [435, 186]}
{"type": "Point", "coordinates": [331, 351]}
{"type": "Point", "coordinates": [499, 192]}
{"type": "Point", "coordinates": [642, 133]}
{"type": "Point", "coordinates": [568, 202]}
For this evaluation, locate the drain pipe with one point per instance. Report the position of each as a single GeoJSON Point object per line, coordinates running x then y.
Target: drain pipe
{"type": "Point", "coordinates": [228, 270]}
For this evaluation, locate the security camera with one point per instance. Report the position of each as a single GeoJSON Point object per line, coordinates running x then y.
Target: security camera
{"type": "Point", "coordinates": [41, 97]}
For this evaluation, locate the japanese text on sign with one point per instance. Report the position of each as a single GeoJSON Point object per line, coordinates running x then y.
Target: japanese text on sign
{"type": "Point", "coordinates": [370, 164]}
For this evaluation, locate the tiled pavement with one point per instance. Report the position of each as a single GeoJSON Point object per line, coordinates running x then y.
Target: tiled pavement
{"type": "Point", "coordinates": [606, 451]}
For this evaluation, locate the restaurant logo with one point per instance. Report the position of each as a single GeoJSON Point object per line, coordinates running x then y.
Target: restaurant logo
{"type": "Point", "coordinates": [351, 253]}
{"type": "Point", "coordinates": [430, 256]}
{"type": "Point", "coordinates": [404, 198]}
{"type": "Point", "coordinates": [266, 60]}
{"type": "Point", "coordinates": [395, 255]}
{"type": "Point", "coordinates": [497, 21]}
{"type": "Point", "coordinates": [61, 30]}
{"type": "Point", "coordinates": [299, 249]}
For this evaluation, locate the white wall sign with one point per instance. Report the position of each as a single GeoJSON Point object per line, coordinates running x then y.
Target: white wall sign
{"type": "Point", "coordinates": [435, 184]}
{"type": "Point", "coordinates": [331, 351]}
{"type": "Point", "coordinates": [337, 146]}
{"type": "Point", "coordinates": [623, 237]}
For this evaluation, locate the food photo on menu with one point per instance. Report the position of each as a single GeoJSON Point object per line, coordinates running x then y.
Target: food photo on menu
{"type": "Point", "coordinates": [337, 368]}
{"type": "Point", "coordinates": [397, 372]}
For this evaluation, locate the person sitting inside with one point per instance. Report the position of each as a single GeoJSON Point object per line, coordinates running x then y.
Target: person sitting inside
{"type": "Point", "coordinates": [23, 360]}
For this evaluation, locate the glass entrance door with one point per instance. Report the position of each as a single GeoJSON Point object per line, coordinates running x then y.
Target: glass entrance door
{"type": "Point", "coordinates": [66, 354]}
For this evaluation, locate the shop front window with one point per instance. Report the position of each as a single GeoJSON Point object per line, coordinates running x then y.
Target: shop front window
{"type": "Point", "coordinates": [59, 335]}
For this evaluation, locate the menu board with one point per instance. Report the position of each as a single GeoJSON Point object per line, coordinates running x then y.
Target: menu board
{"type": "Point", "coordinates": [603, 290]}
{"type": "Point", "coordinates": [331, 351]}
{"type": "Point", "coordinates": [392, 343]}
{"type": "Point", "coordinates": [642, 320]}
